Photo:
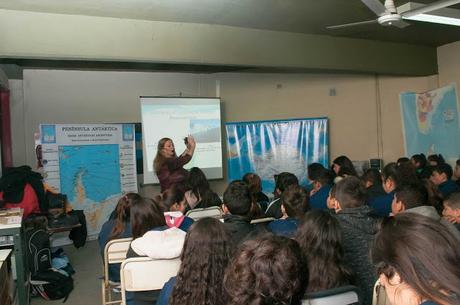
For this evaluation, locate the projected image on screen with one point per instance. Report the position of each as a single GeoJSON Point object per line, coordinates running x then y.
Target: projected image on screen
{"type": "Point", "coordinates": [176, 118]}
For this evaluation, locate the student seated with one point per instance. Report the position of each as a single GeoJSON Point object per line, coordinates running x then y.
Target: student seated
{"type": "Point", "coordinates": [152, 238]}
{"type": "Point", "coordinates": [412, 198]}
{"type": "Point", "coordinates": [321, 187]}
{"type": "Point", "coordinates": [420, 163]}
{"type": "Point", "coordinates": [358, 229]}
{"type": "Point", "coordinates": [451, 210]}
{"type": "Point", "coordinates": [199, 194]}
{"type": "Point", "coordinates": [282, 181]}
{"type": "Point", "coordinates": [237, 208]}
{"type": "Point", "coordinates": [456, 174]}
{"type": "Point", "coordinates": [417, 261]}
{"type": "Point", "coordinates": [173, 200]}
{"type": "Point", "coordinates": [294, 204]}
{"type": "Point", "coordinates": [441, 176]}
{"type": "Point", "coordinates": [320, 239]}
{"type": "Point", "coordinates": [118, 226]}
{"type": "Point", "coordinates": [435, 160]}
{"type": "Point", "coordinates": [255, 186]}
{"type": "Point", "coordinates": [372, 180]}
{"type": "Point", "coordinates": [267, 270]}
{"type": "Point", "coordinates": [343, 167]}
{"type": "Point", "coordinates": [204, 258]}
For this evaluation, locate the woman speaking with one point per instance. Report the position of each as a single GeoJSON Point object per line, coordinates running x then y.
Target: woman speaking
{"type": "Point", "coordinates": [168, 166]}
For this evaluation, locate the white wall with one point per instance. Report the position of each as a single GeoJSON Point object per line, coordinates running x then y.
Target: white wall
{"type": "Point", "coordinates": [51, 96]}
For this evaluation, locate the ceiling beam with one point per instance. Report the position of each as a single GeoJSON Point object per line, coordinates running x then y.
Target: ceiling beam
{"type": "Point", "coordinates": [32, 35]}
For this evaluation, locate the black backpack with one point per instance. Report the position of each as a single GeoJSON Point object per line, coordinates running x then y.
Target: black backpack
{"type": "Point", "coordinates": [38, 250]}
{"type": "Point", "coordinates": [52, 285]}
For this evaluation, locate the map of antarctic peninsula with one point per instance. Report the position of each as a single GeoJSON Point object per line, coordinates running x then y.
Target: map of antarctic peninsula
{"type": "Point", "coordinates": [90, 176]}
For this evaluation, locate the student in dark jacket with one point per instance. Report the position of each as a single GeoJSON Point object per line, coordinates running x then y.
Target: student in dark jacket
{"type": "Point", "coordinates": [294, 204]}
{"type": "Point", "coordinates": [441, 176]}
{"type": "Point", "coordinates": [321, 188]}
{"type": "Point", "coordinates": [118, 226]}
{"type": "Point", "coordinates": [282, 181]}
{"type": "Point", "coordinates": [237, 207]}
{"type": "Point", "coordinates": [255, 186]}
{"type": "Point", "coordinates": [199, 194]}
{"type": "Point", "coordinates": [359, 230]}
{"type": "Point", "coordinates": [372, 180]}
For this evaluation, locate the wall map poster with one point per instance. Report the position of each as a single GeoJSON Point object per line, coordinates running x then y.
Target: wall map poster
{"type": "Point", "coordinates": [92, 164]}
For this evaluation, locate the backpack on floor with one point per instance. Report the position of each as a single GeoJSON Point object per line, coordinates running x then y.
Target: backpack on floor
{"type": "Point", "coordinates": [38, 250]}
{"type": "Point", "coordinates": [52, 284]}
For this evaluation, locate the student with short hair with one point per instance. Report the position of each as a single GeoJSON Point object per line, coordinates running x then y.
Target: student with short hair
{"type": "Point", "coordinates": [417, 261]}
{"type": "Point", "coordinates": [413, 198]}
{"type": "Point", "coordinates": [358, 228]}
{"type": "Point", "coordinates": [321, 187]}
{"type": "Point", "coordinates": [267, 270]}
{"type": "Point", "coordinates": [294, 204]}
{"type": "Point", "coordinates": [441, 176]}
{"type": "Point", "coordinates": [282, 181]}
{"type": "Point", "coordinates": [451, 211]}
{"type": "Point", "coordinates": [204, 258]}
{"type": "Point", "coordinates": [321, 241]}
{"type": "Point", "coordinates": [237, 207]}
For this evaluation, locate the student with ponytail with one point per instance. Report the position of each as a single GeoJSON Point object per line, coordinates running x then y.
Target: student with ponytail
{"type": "Point", "coordinates": [118, 226]}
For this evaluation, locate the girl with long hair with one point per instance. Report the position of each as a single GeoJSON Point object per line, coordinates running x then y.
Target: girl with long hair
{"type": "Point", "coordinates": [118, 226]}
{"type": "Point", "coordinates": [417, 261]}
{"type": "Point", "coordinates": [204, 258]}
{"type": "Point", "coordinates": [320, 239]}
{"type": "Point", "coordinates": [168, 166]}
{"type": "Point", "coordinates": [343, 167]}
{"type": "Point", "coordinates": [199, 194]}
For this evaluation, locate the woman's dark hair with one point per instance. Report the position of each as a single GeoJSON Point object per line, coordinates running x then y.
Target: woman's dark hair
{"type": "Point", "coordinates": [402, 160]}
{"type": "Point", "coordinates": [267, 270]}
{"type": "Point", "coordinates": [175, 194]}
{"type": "Point", "coordinates": [295, 201]}
{"type": "Point", "coordinates": [372, 175]}
{"type": "Point", "coordinates": [122, 213]}
{"type": "Point", "coordinates": [254, 182]}
{"type": "Point", "coordinates": [350, 192]}
{"type": "Point", "coordinates": [204, 258]}
{"type": "Point", "coordinates": [346, 166]}
{"type": "Point", "coordinates": [400, 174]}
{"type": "Point", "coordinates": [197, 182]}
{"type": "Point", "coordinates": [159, 158]}
{"type": "Point", "coordinates": [403, 246]}
{"type": "Point", "coordinates": [146, 214]}
{"type": "Point", "coordinates": [320, 239]}
{"type": "Point", "coordinates": [419, 160]}
{"type": "Point", "coordinates": [438, 159]}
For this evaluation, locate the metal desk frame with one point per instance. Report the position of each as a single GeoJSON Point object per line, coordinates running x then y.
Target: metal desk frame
{"type": "Point", "coordinates": [22, 281]}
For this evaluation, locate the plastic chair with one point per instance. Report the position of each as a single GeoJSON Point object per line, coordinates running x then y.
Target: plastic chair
{"type": "Point", "coordinates": [214, 212]}
{"type": "Point", "coordinates": [144, 274]}
{"type": "Point", "coordinates": [114, 253]}
{"type": "Point", "coordinates": [343, 295]}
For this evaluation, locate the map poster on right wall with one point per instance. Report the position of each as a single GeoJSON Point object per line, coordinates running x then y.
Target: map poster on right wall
{"type": "Point", "coordinates": [431, 123]}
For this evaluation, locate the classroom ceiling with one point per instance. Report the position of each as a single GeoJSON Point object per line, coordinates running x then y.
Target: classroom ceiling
{"type": "Point", "coordinates": [298, 16]}
{"type": "Point", "coordinates": [293, 16]}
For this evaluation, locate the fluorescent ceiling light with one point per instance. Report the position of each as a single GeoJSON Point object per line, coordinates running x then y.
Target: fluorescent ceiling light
{"type": "Point", "coordinates": [444, 15]}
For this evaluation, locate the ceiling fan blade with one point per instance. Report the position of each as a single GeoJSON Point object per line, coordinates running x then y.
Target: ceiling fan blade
{"type": "Point", "coordinates": [376, 6]}
{"type": "Point", "coordinates": [401, 24]}
{"type": "Point", "coordinates": [333, 27]}
{"type": "Point", "coordinates": [430, 7]}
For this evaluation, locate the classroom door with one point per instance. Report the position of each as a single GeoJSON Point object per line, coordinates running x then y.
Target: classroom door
{"type": "Point", "coordinates": [5, 130]}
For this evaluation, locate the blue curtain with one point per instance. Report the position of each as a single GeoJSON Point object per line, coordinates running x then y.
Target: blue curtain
{"type": "Point", "coordinates": [271, 147]}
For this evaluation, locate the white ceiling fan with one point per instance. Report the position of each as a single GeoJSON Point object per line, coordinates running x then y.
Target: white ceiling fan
{"type": "Point", "coordinates": [387, 15]}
